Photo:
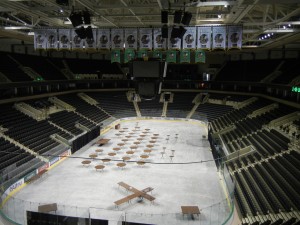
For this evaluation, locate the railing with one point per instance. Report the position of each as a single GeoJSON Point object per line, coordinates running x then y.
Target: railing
{"type": "Point", "coordinates": [220, 213]}
{"type": "Point", "coordinates": [248, 88]}
{"type": "Point", "coordinates": [216, 213]}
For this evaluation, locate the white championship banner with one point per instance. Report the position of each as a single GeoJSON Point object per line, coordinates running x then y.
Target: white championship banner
{"type": "Point", "coordinates": [117, 38]}
{"type": "Point", "coordinates": [158, 41]}
{"type": "Point", "coordinates": [90, 43]}
{"type": "Point", "coordinates": [131, 38]}
{"type": "Point", "coordinates": [235, 37]}
{"type": "Point", "coordinates": [189, 38]}
{"type": "Point", "coordinates": [52, 42]}
{"type": "Point", "coordinates": [204, 38]}
{"type": "Point", "coordinates": [173, 43]}
{"type": "Point", "coordinates": [103, 39]}
{"type": "Point", "coordinates": [64, 39]}
{"type": "Point", "coordinates": [40, 39]}
{"type": "Point", "coordinates": [145, 38]}
{"type": "Point", "coordinates": [77, 42]}
{"type": "Point", "coordinates": [219, 37]}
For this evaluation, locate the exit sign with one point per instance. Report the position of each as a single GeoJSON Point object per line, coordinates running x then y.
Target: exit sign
{"type": "Point", "coordinates": [296, 89]}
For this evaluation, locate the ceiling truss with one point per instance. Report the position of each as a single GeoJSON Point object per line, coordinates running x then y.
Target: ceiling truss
{"type": "Point", "coordinates": [258, 17]}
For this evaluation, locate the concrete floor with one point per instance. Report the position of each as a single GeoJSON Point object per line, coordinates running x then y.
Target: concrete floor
{"type": "Point", "coordinates": [82, 191]}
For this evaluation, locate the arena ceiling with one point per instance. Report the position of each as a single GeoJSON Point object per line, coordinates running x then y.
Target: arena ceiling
{"type": "Point", "coordinates": [266, 23]}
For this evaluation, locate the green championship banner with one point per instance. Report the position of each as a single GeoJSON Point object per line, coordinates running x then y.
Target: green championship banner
{"type": "Point", "coordinates": [185, 56]}
{"type": "Point", "coordinates": [142, 53]}
{"type": "Point", "coordinates": [171, 56]}
{"type": "Point", "coordinates": [157, 54]}
{"type": "Point", "coordinates": [200, 56]}
{"type": "Point", "coordinates": [129, 55]}
{"type": "Point", "coordinates": [115, 56]}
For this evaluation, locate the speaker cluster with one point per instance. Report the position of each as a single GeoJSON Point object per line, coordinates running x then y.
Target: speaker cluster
{"type": "Point", "coordinates": [180, 19]}
{"type": "Point", "coordinates": [78, 20]}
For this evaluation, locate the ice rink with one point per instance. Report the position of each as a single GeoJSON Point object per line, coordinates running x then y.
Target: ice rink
{"type": "Point", "coordinates": [186, 179]}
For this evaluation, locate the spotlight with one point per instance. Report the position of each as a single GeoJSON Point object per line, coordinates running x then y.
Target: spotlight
{"type": "Point", "coordinates": [219, 16]}
{"type": "Point", "coordinates": [177, 16]}
{"type": "Point", "coordinates": [164, 16]}
{"type": "Point", "coordinates": [186, 19]}
{"type": "Point", "coordinates": [269, 35]}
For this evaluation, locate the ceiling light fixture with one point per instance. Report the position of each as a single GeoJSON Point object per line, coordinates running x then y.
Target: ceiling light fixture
{"type": "Point", "coordinates": [17, 28]}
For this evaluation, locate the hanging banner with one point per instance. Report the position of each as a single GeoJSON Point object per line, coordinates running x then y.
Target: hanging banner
{"type": "Point", "coordinates": [157, 54]}
{"type": "Point", "coordinates": [131, 38]}
{"type": "Point", "coordinates": [115, 56]}
{"type": "Point", "coordinates": [173, 43]}
{"type": "Point", "coordinates": [171, 56]}
{"type": "Point", "coordinates": [77, 42]}
{"type": "Point", "coordinates": [90, 43]}
{"type": "Point", "coordinates": [40, 39]}
{"type": "Point", "coordinates": [189, 38]}
{"type": "Point", "coordinates": [219, 37]}
{"type": "Point", "coordinates": [235, 37]}
{"type": "Point", "coordinates": [117, 38]}
{"type": "Point", "coordinates": [204, 38]}
{"type": "Point", "coordinates": [142, 53]}
{"type": "Point", "coordinates": [103, 39]}
{"type": "Point", "coordinates": [200, 56]}
{"type": "Point", "coordinates": [185, 56]}
{"type": "Point", "coordinates": [129, 55]}
{"type": "Point", "coordinates": [64, 39]}
{"type": "Point", "coordinates": [52, 42]}
{"type": "Point", "coordinates": [159, 42]}
{"type": "Point", "coordinates": [145, 37]}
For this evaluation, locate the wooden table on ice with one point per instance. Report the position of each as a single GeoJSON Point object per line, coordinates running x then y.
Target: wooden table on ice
{"type": "Point", "coordinates": [47, 208]}
{"type": "Point", "coordinates": [136, 194]}
{"type": "Point", "coordinates": [190, 210]}
{"type": "Point", "coordinates": [102, 141]}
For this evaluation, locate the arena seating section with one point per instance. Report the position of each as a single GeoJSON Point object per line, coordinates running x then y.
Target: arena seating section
{"type": "Point", "coordinates": [86, 66]}
{"type": "Point", "coordinates": [12, 70]}
{"type": "Point", "coordinates": [247, 70]}
{"type": "Point", "coordinates": [49, 68]}
{"type": "Point", "coordinates": [94, 114]}
{"type": "Point", "coordinates": [151, 107]}
{"type": "Point", "coordinates": [290, 69]}
{"type": "Point", "coordinates": [114, 103]}
{"type": "Point", "coordinates": [41, 65]}
{"type": "Point", "coordinates": [181, 105]}
{"type": "Point", "coordinates": [267, 180]}
{"type": "Point", "coordinates": [210, 111]}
